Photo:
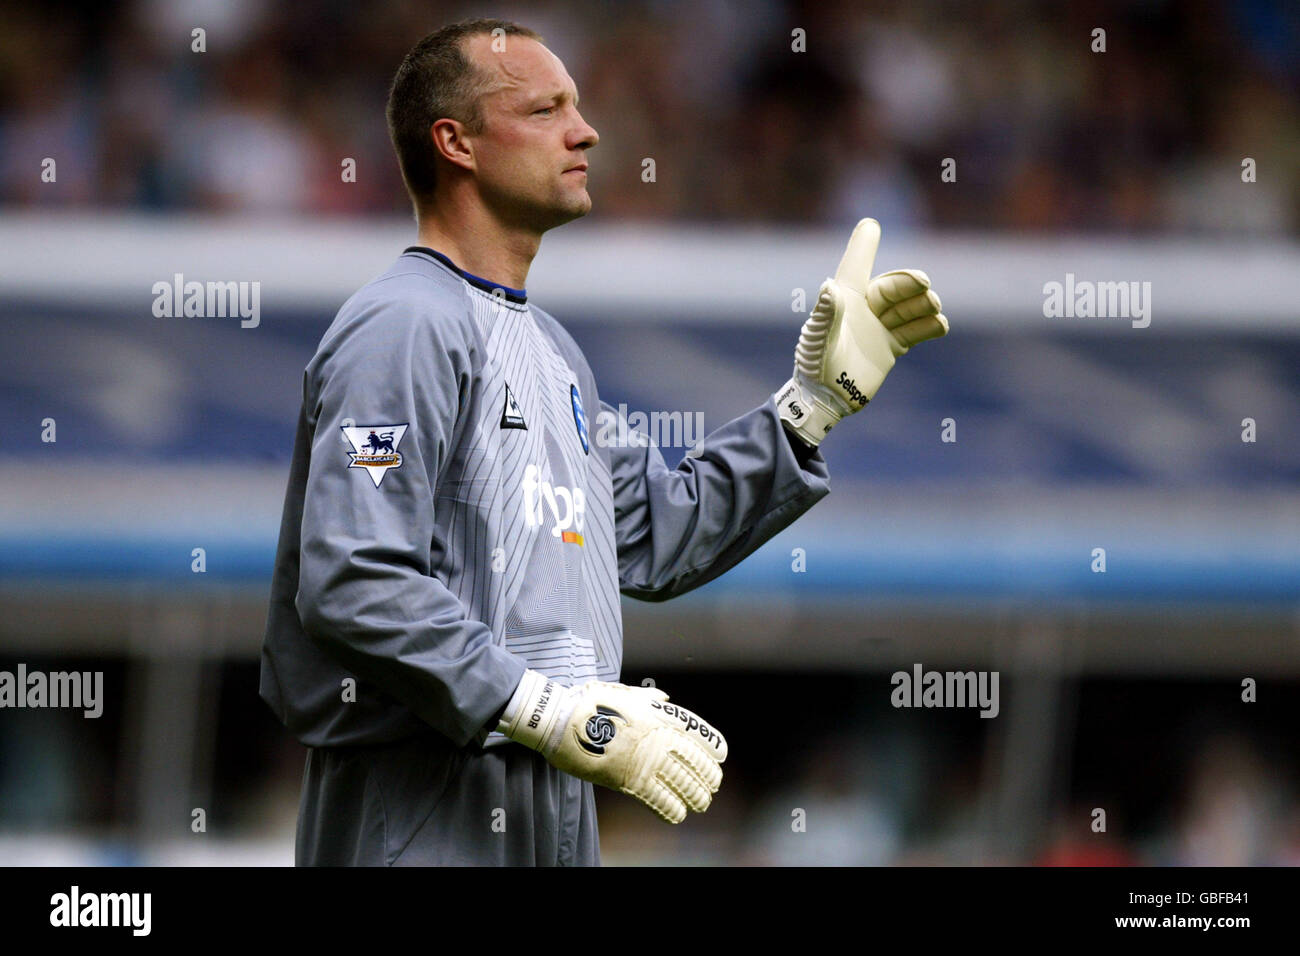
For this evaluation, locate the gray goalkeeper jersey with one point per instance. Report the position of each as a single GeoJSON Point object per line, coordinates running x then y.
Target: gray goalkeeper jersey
{"type": "Point", "coordinates": [455, 513]}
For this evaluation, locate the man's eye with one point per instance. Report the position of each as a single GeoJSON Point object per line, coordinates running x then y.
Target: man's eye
{"type": "Point", "coordinates": [544, 109]}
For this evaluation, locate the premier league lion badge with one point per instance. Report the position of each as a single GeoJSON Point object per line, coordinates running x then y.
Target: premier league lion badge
{"type": "Point", "coordinates": [375, 448]}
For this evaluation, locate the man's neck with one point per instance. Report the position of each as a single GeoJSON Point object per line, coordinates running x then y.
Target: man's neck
{"type": "Point", "coordinates": [481, 245]}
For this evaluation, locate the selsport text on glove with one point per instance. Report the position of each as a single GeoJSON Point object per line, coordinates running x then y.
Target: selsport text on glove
{"type": "Point", "coordinates": [853, 335]}
{"type": "Point", "coordinates": [629, 739]}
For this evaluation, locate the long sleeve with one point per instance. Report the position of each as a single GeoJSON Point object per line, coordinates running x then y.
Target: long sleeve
{"type": "Point", "coordinates": [677, 529]}
{"type": "Point", "coordinates": [367, 594]}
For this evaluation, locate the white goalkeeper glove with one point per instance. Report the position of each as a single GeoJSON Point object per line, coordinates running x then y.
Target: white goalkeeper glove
{"type": "Point", "coordinates": [850, 340]}
{"type": "Point", "coordinates": [629, 739]}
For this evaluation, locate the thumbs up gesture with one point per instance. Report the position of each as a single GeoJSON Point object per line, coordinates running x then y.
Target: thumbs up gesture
{"type": "Point", "coordinates": [856, 330]}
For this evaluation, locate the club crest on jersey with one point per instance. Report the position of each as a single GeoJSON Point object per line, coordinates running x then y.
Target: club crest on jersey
{"type": "Point", "coordinates": [375, 448]}
{"type": "Point", "coordinates": [579, 418]}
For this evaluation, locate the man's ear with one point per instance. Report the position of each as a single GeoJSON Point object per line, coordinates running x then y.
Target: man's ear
{"type": "Point", "coordinates": [449, 139]}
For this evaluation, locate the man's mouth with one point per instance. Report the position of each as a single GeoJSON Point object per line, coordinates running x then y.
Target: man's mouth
{"type": "Point", "coordinates": [578, 169]}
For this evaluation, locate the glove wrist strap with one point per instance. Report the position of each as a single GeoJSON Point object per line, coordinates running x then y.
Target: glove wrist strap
{"type": "Point", "coordinates": [535, 710]}
{"type": "Point", "coordinates": [806, 413]}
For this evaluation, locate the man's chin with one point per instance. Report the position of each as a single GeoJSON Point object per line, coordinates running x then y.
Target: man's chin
{"type": "Point", "coordinates": [539, 217]}
{"type": "Point", "coordinates": [583, 209]}
{"type": "Point", "coordinates": [569, 211]}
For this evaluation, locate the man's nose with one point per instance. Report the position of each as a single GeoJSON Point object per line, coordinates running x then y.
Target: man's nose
{"type": "Point", "coordinates": [587, 136]}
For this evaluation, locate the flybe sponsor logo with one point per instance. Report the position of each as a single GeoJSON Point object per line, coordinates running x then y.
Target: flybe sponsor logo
{"type": "Point", "coordinates": [560, 506]}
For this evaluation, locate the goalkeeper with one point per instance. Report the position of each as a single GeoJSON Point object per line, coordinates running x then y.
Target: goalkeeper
{"type": "Point", "coordinates": [444, 632]}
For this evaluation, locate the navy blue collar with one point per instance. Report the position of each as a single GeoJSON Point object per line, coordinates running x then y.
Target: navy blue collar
{"type": "Point", "coordinates": [519, 296]}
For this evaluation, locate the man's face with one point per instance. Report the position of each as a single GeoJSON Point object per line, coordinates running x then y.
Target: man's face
{"type": "Point", "coordinates": [530, 156]}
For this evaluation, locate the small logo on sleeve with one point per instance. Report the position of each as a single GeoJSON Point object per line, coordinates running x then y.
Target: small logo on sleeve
{"type": "Point", "coordinates": [375, 448]}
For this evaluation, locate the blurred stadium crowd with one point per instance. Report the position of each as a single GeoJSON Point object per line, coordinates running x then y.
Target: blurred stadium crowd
{"type": "Point", "coordinates": [1148, 136]}
{"type": "Point", "coordinates": [1186, 781]}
